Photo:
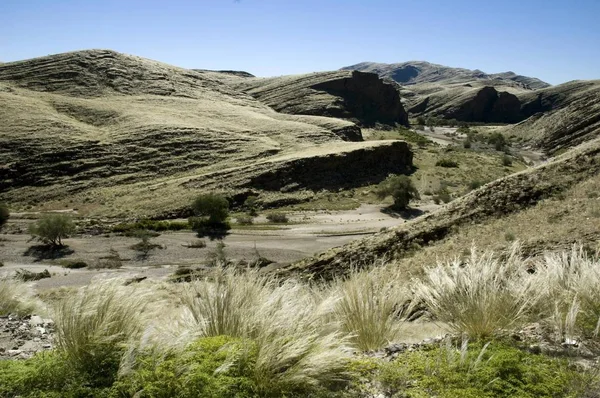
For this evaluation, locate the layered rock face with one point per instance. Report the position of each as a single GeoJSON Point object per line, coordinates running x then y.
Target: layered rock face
{"type": "Point", "coordinates": [337, 169]}
{"type": "Point", "coordinates": [360, 97]}
{"type": "Point", "coordinates": [488, 106]}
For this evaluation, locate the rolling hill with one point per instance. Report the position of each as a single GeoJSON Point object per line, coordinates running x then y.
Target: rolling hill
{"type": "Point", "coordinates": [120, 135]}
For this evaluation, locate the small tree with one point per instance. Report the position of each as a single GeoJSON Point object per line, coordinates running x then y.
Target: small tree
{"type": "Point", "coordinates": [400, 188]}
{"type": "Point", "coordinates": [4, 214]}
{"type": "Point", "coordinates": [51, 229]}
{"type": "Point", "coordinates": [212, 206]}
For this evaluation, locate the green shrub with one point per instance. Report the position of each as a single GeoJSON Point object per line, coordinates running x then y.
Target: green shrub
{"type": "Point", "coordinates": [400, 188]}
{"type": "Point", "coordinates": [244, 220]}
{"type": "Point", "coordinates": [506, 160]}
{"type": "Point", "coordinates": [498, 141]}
{"type": "Point", "coordinates": [4, 214]}
{"type": "Point", "coordinates": [446, 163]}
{"type": "Point", "coordinates": [467, 143]}
{"type": "Point", "coordinates": [151, 225]}
{"type": "Point", "coordinates": [144, 246]}
{"type": "Point", "coordinates": [73, 264]}
{"type": "Point", "coordinates": [52, 228]}
{"type": "Point", "coordinates": [212, 207]}
{"type": "Point", "coordinates": [474, 184]}
{"type": "Point", "coordinates": [48, 375]}
{"type": "Point", "coordinates": [442, 195]}
{"type": "Point", "coordinates": [413, 137]}
{"type": "Point", "coordinates": [278, 218]}
{"type": "Point", "coordinates": [251, 205]}
{"type": "Point", "coordinates": [477, 371]}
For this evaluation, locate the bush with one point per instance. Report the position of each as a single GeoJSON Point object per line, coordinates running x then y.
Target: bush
{"type": "Point", "coordinates": [400, 188]}
{"type": "Point", "coordinates": [251, 205]}
{"type": "Point", "coordinates": [244, 220]}
{"type": "Point", "coordinates": [111, 261]}
{"type": "Point", "coordinates": [72, 264]}
{"type": "Point", "coordinates": [446, 163]}
{"type": "Point", "coordinates": [4, 214]}
{"type": "Point", "coordinates": [477, 370]}
{"type": "Point", "coordinates": [278, 218]}
{"type": "Point", "coordinates": [213, 207]}
{"type": "Point", "coordinates": [467, 143]}
{"type": "Point", "coordinates": [144, 246]}
{"type": "Point", "coordinates": [474, 184]}
{"type": "Point", "coordinates": [498, 141]}
{"type": "Point", "coordinates": [51, 229]}
{"type": "Point", "coordinates": [152, 225]}
{"type": "Point", "coordinates": [479, 296]}
{"type": "Point", "coordinates": [442, 195]}
{"type": "Point", "coordinates": [506, 160]}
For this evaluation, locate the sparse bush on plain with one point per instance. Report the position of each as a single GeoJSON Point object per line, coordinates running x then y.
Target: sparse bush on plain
{"type": "Point", "coordinates": [400, 188]}
{"type": "Point", "coordinates": [244, 219]}
{"type": "Point", "coordinates": [144, 246]}
{"type": "Point", "coordinates": [278, 218]}
{"type": "Point", "coordinates": [213, 207]}
{"type": "Point", "coordinates": [111, 261]}
{"type": "Point", "coordinates": [506, 160]}
{"type": "Point", "coordinates": [52, 228]}
{"type": "Point", "coordinates": [442, 195]}
{"type": "Point", "coordinates": [251, 205]}
{"type": "Point", "coordinates": [498, 141]}
{"type": "Point", "coordinates": [448, 163]}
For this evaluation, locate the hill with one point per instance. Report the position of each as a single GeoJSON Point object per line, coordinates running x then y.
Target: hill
{"type": "Point", "coordinates": [418, 72]}
{"type": "Point", "coordinates": [547, 207]}
{"type": "Point", "coordinates": [360, 97]}
{"type": "Point", "coordinates": [121, 135]}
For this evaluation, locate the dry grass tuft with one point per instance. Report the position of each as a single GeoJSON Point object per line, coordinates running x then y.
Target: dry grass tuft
{"type": "Point", "coordinates": [482, 295]}
{"type": "Point", "coordinates": [15, 298]}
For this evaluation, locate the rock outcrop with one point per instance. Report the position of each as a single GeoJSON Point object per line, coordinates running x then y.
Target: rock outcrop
{"type": "Point", "coordinates": [488, 106]}
{"type": "Point", "coordinates": [361, 97]}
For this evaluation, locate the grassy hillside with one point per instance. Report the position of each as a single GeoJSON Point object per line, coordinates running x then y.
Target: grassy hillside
{"type": "Point", "coordinates": [120, 135]}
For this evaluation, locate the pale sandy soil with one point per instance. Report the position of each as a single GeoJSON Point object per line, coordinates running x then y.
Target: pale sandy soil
{"type": "Point", "coordinates": [308, 233]}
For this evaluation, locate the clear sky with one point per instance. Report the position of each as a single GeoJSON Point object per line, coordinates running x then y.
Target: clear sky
{"type": "Point", "coordinates": [553, 40]}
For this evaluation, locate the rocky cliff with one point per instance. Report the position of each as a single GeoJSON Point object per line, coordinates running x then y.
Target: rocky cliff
{"type": "Point", "coordinates": [361, 97]}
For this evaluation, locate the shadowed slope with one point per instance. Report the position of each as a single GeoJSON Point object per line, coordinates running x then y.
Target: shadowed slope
{"type": "Point", "coordinates": [126, 132]}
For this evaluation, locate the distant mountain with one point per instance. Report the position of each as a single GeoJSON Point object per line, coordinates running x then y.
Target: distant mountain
{"type": "Point", "coordinates": [415, 72]}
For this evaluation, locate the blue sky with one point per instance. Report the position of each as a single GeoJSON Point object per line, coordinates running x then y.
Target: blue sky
{"type": "Point", "coordinates": [554, 40]}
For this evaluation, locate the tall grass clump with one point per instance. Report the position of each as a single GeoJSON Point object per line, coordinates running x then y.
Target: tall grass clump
{"type": "Point", "coordinates": [94, 327]}
{"type": "Point", "coordinates": [285, 325]}
{"type": "Point", "coordinates": [569, 286]}
{"type": "Point", "coordinates": [15, 298]}
{"type": "Point", "coordinates": [481, 295]}
{"type": "Point", "coordinates": [370, 308]}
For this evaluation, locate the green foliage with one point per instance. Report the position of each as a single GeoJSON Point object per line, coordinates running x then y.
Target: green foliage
{"type": "Point", "coordinates": [251, 205]}
{"type": "Point", "coordinates": [53, 228]}
{"type": "Point", "coordinates": [421, 120]}
{"type": "Point", "coordinates": [14, 298]}
{"type": "Point", "coordinates": [478, 371]}
{"type": "Point", "coordinates": [72, 264]}
{"type": "Point", "coordinates": [446, 163]}
{"type": "Point", "coordinates": [400, 188]}
{"type": "Point", "coordinates": [213, 207]}
{"type": "Point", "coordinates": [244, 219]}
{"type": "Point", "coordinates": [467, 143]}
{"type": "Point", "coordinates": [278, 218]}
{"type": "Point", "coordinates": [474, 184]}
{"type": "Point", "coordinates": [498, 141]}
{"type": "Point", "coordinates": [506, 160]}
{"type": "Point", "coordinates": [442, 195]}
{"type": "Point", "coordinates": [151, 225]}
{"type": "Point", "coordinates": [144, 246]}
{"type": "Point", "coordinates": [413, 137]}
{"type": "Point", "coordinates": [210, 367]}
{"type": "Point", "coordinates": [4, 214]}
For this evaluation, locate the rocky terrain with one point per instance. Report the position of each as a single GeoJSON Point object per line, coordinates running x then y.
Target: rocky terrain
{"type": "Point", "coordinates": [116, 133]}
{"type": "Point", "coordinates": [21, 338]}
{"type": "Point", "coordinates": [353, 95]}
{"type": "Point", "coordinates": [500, 199]}
{"type": "Point", "coordinates": [415, 72]}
